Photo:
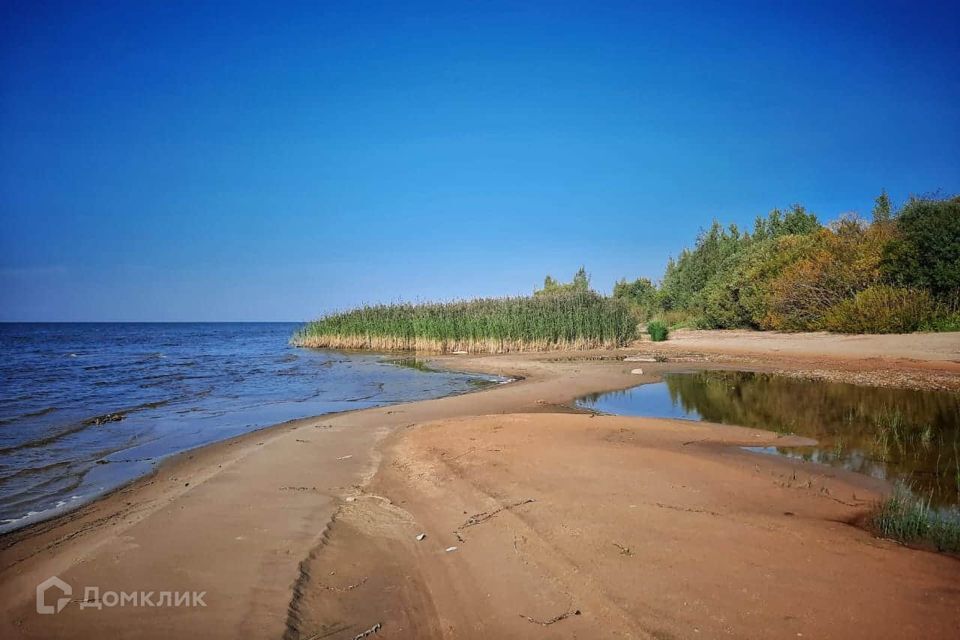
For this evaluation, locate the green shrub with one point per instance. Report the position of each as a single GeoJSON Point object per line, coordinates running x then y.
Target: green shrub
{"type": "Point", "coordinates": [658, 331]}
{"type": "Point", "coordinates": [942, 322]}
{"type": "Point", "coordinates": [882, 309]}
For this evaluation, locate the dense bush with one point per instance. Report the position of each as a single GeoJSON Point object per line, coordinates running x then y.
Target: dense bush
{"type": "Point", "coordinates": [882, 309]}
{"type": "Point", "coordinates": [843, 260]}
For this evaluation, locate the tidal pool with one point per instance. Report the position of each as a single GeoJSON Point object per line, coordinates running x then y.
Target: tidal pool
{"type": "Point", "coordinates": [894, 434]}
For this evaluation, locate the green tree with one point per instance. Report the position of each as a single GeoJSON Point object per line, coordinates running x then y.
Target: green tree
{"type": "Point", "coordinates": [579, 284]}
{"type": "Point", "coordinates": [925, 251]}
{"type": "Point", "coordinates": [797, 221]}
{"type": "Point", "coordinates": [882, 209]}
{"type": "Point", "coordinates": [641, 295]}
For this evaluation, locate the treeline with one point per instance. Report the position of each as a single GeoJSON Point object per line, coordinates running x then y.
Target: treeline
{"type": "Point", "coordinates": [899, 272]}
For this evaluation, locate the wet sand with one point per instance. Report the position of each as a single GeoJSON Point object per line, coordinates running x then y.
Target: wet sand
{"type": "Point", "coordinates": [648, 528]}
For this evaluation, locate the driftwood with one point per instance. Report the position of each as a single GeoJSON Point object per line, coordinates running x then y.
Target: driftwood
{"type": "Point", "coordinates": [547, 623]}
{"type": "Point", "coordinates": [369, 632]}
{"type": "Point", "coordinates": [486, 515]}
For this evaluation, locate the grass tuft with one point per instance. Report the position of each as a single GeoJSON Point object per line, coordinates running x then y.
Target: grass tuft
{"type": "Point", "coordinates": [909, 518]}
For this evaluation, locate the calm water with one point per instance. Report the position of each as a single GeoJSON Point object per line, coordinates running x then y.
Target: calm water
{"type": "Point", "coordinates": [895, 434]}
{"type": "Point", "coordinates": [174, 386]}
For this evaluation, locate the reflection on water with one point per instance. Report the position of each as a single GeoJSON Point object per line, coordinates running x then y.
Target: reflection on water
{"type": "Point", "coordinates": [409, 362]}
{"type": "Point", "coordinates": [897, 434]}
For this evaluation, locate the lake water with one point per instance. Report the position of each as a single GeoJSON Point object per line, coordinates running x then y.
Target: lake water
{"type": "Point", "coordinates": [87, 407]}
{"type": "Point", "coordinates": [894, 434]}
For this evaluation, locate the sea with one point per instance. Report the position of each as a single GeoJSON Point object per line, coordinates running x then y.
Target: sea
{"type": "Point", "coordinates": [88, 407]}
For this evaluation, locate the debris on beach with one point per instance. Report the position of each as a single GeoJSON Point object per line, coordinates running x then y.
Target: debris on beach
{"type": "Point", "coordinates": [449, 549]}
{"type": "Point", "coordinates": [369, 632]}
{"type": "Point", "coordinates": [478, 518]}
{"type": "Point", "coordinates": [421, 536]}
{"type": "Point", "coordinates": [349, 587]}
{"type": "Point", "coordinates": [345, 457]}
{"type": "Point", "coordinates": [639, 359]}
{"type": "Point", "coordinates": [547, 623]}
{"type": "Point", "coordinates": [639, 372]}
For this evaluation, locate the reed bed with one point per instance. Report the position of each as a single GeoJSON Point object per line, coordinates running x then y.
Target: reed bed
{"type": "Point", "coordinates": [581, 320]}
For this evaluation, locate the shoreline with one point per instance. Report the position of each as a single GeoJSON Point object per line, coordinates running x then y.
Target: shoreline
{"type": "Point", "coordinates": [246, 517]}
{"type": "Point", "coordinates": [66, 509]}
{"type": "Point", "coordinates": [54, 547]}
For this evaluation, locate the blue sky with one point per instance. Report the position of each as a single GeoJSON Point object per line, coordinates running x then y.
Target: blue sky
{"type": "Point", "coordinates": [245, 161]}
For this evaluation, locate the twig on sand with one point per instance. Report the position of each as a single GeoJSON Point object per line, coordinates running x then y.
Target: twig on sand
{"type": "Point", "coordinates": [547, 623]}
{"type": "Point", "coordinates": [350, 587]}
{"type": "Point", "coordinates": [483, 517]}
{"type": "Point", "coordinates": [625, 551]}
{"type": "Point", "coordinates": [336, 629]}
{"type": "Point", "coordinates": [470, 450]}
{"type": "Point", "coordinates": [369, 632]}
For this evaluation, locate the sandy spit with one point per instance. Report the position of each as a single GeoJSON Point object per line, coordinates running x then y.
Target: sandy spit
{"type": "Point", "coordinates": [564, 525]}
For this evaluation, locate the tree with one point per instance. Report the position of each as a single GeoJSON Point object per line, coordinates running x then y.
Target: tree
{"type": "Point", "coordinates": [641, 295]}
{"type": "Point", "coordinates": [882, 210]}
{"type": "Point", "coordinates": [581, 281]}
{"type": "Point", "coordinates": [795, 222]}
{"type": "Point", "coordinates": [580, 284]}
{"type": "Point", "coordinates": [925, 251]}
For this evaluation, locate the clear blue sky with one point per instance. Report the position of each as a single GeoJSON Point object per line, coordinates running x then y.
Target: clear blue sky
{"type": "Point", "coordinates": [245, 161]}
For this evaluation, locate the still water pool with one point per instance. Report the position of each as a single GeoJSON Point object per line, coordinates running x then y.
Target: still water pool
{"type": "Point", "coordinates": [894, 434]}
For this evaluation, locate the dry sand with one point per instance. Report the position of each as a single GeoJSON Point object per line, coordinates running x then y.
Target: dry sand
{"type": "Point", "coordinates": [647, 528]}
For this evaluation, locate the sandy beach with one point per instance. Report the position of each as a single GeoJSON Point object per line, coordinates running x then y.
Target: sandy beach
{"type": "Point", "coordinates": [540, 520]}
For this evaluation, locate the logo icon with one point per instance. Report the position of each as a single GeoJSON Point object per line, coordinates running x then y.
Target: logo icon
{"type": "Point", "coordinates": [46, 585]}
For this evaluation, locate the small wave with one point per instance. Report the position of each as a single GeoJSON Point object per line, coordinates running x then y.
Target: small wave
{"type": "Point", "coordinates": [59, 484]}
{"type": "Point", "coordinates": [29, 414]}
{"type": "Point", "coordinates": [98, 367]}
{"type": "Point", "coordinates": [94, 421]}
{"type": "Point", "coordinates": [5, 524]}
{"type": "Point", "coordinates": [45, 440]}
{"type": "Point", "coordinates": [23, 473]}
